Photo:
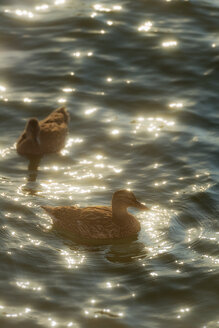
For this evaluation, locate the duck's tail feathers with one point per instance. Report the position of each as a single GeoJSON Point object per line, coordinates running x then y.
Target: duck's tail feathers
{"type": "Point", "coordinates": [65, 113]}
{"type": "Point", "coordinates": [48, 209]}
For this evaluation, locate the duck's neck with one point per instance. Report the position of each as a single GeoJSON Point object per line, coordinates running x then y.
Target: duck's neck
{"type": "Point", "coordinates": [120, 214]}
{"type": "Point", "coordinates": [34, 137]}
{"type": "Point", "coordinates": [118, 210]}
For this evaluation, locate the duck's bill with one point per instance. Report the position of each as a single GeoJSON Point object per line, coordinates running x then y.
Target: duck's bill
{"type": "Point", "coordinates": [142, 207]}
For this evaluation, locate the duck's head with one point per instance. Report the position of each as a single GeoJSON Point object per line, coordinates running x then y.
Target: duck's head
{"type": "Point", "coordinates": [33, 129]}
{"type": "Point", "coordinates": [125, 198]}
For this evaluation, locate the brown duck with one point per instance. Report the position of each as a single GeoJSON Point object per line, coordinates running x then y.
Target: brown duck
{"type": "Point", "coordinates": [99, 222]}
{"type": "Point", "coordinates": [46, 136]}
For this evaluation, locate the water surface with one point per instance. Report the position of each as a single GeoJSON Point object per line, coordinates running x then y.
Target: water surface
{"type": "Point", "coordinates": [140, 80]}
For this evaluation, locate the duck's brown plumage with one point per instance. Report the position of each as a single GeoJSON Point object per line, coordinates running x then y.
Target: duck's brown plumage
{"type": "Point", "coordinates": [46, 136]}
{"type": "Point", "coordinates": [99, 222]}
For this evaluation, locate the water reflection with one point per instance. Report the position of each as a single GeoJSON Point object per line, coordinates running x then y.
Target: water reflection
{"type": "Point", "coordinates": [77, 54]}
{"type": "Point", "coordinates": [176, 105]}
{"type": "Point", "coordinates": [10, 313]}
{"type": "Point", "coordinates": [151, 124]}
{"type": "Point", "coordinates": [42, 7]}
{"type": "Point", "coordinates": [145, 27]}
{"type": "Point", "coordinates": [6, 151]}
{"type": "Point", "coordinates": [101, 8]}
{"type": "Point", "coordinates": [2, 88]}
{"type": "Point", "coordinates": [26, 13]}
{"type": "Point", "coordinates": [90, 111]}
{"type": "Point", "coordinates": [155, 227]}
{"type": "Point", "coordinates": [73, 259]}
{"type": "Point", "coordinates": [115, 132]}
{"type": "Point", "coordinates": [168, 44]}
{"type": "Point", "coordinates": [126, 251]}
{"type": "Point", "coordinates": [68, 90]}
{"type": "Point", "coordinates": [69, 143]}
{"type": "Point", "coordinates": [34, 162]}
{"type": "Point", "coordinates": [182, 312]}
{"type": "Point", "coordinates": [27, 100]}
{"type": "Point", "coordinates": [28, 285]}
{"type": "Point", "coordinates": [61, 100]}
{"type": "Point", "coordinates": [55, 190]}
{"type": "Point", "coordinates": [107, 312]}
{"type": "Point", "coordinates": [59, 2]}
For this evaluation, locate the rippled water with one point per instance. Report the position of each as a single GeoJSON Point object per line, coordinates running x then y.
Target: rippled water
{"type": "Point", "coordinates": [140, 80]}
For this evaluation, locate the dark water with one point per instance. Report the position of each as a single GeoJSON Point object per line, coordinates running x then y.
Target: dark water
{"type": "Point", "coordinates": [140, 80]}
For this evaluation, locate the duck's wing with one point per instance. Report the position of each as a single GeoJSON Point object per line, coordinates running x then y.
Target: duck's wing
{"type": "Point", "coordinates": [90, 222]}
{"type": "Point", "coordinates": [59, 212]}
{"type": "Point", "coordinates": [58, 116]}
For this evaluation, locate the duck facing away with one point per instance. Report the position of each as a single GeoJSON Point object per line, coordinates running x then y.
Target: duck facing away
{"type": "Point", "coordinates": [99, 222]}
{"type": "Point", "coordinates": [46, 136]}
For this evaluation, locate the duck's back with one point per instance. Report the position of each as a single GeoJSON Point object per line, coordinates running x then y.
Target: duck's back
{"type": "Point", "coordinates": [52, 136]}
{"type": "Point", "coordinates": [59, 116]}
{"type": "Point", "coordinates": [90, 222]}
{"type": "Point", "coordinates": [53, 131]}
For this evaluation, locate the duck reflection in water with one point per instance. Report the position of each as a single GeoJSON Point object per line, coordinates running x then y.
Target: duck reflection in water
{"type": "Point", "coordinates": [31, 187]}
{"type": "Point", "coordinates": [34, 162]}
{"type": "Point", "coordinates": [99, 222]}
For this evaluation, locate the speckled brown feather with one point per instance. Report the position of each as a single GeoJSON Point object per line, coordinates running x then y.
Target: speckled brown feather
{"type": "Point", "coordinates": [91, 222]}
{"type": "Point", "coordinates": [53, 132]}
